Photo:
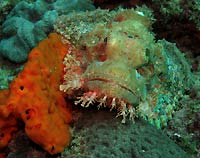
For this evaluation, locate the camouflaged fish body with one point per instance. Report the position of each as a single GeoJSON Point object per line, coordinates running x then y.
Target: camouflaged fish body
{"type": "Point", "coordinates": [116, 63]}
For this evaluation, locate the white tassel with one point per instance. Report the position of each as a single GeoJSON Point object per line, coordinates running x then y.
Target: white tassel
{"type": "Point", "coordinates": [87, 99]}
{"type": "Point", "coordinates": [123, 111]}
{"type": "Point", "coordinates": [102, 102]}
{"type": "Point", "coordinates": [113, 104]}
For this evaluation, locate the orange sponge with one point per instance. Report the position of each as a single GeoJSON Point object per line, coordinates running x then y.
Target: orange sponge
{"type": "Point", "coordinates": [34, 96]}
{"type": "Point", "coordinates": [8, 125]}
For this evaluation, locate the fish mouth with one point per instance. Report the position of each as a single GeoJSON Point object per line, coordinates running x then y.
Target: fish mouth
{"type": "Point", "coordinates": [111, 88]}
{"type": "Point", "coordinates": [112, 82]}
{"type": "Point", "coordinates": [115, 79]}
{"type": "Point", "coordinates": [105, 92]}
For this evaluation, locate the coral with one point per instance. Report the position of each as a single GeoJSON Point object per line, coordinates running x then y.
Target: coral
{"type": "Point", "coordinates": [179, 8]}
{"type": "Point", "coordinates": [184, 127]}
{"type": "Point", "coordinates": [34, 96]}
{"type": "Point", "coordinates": [101, 135]}
{"type": "Point", "coordinates": [5, 7]}
{"type": "Point", "coordinates": [28, 23]}
{"type": "Point", "coordinates": [118, 65]}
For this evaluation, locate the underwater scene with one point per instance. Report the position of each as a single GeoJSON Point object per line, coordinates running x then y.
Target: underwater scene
{"type": "Point", "coordinates": [99, 78]}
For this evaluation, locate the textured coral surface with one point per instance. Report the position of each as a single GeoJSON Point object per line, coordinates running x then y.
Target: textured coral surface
{"type": "Point", "coordinates": [34, 98]}
{"type": "Point", "coordinates": [99, 134]}
{"type": "Point", "coordinates": [29, 23]}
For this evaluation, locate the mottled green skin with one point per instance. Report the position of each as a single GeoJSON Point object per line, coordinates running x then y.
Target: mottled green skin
{"type": "Point", "coordinates": [120, 59]}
